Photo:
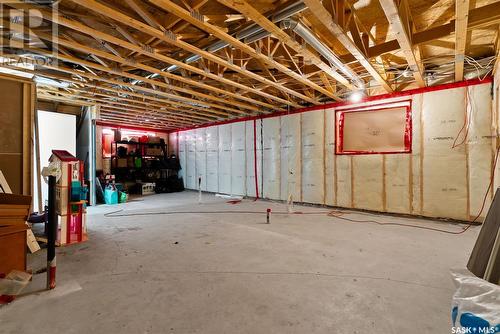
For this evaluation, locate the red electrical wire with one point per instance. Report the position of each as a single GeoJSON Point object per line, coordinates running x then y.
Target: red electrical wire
{"type": "Point", "coordinates": [467, 121]}
{"type": "Point", "coordinates": [432, 228]}
{"type": "Point", "coordinates": [336, 214]}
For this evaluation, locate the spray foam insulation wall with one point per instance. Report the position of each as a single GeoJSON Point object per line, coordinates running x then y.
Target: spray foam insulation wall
{"type": "Point", "coordinates": [445, 175]}
{"type": "Point", "coordinates": [290, 157]}
{"type": "Point", "coordinates": [191, 160]}
{"type": "Point", "coordinates": [330, 170]}
{"type": "Point", "coordinates": [271, 173]}
{"type": "Point", "coordinates": [253, 150]}
{"type": "Point", "coordinates": [225, 158]}
{"type": "Point", "coordinates": [201, 157]}
{"type": "Point", "coordinates": [313, 167]}
{"type": "Point", "coordinates": [212, 147]}
{"type": "Point", "coordinates": [238, 159]}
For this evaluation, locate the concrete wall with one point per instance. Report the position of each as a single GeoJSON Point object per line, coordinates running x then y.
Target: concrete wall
{"type": "Point", "coordinates": [296, 158]}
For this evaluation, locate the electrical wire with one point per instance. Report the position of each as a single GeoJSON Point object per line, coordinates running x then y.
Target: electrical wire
{"type": "Point", "coordinates": [469, 225]}
{"type": "Point", "coordinates": [332, 213]}
{"type": "Point", "coordinates": [467, 122]}
{"type": "Point", "coordinates": [335, 213]}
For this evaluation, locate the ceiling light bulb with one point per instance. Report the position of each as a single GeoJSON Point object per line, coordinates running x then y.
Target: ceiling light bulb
{"type": "Point", "coordinates": [356, 96]}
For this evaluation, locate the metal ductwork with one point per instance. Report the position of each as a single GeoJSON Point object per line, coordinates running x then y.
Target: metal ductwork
{"type": "Point", "coordinates": [311, 39]}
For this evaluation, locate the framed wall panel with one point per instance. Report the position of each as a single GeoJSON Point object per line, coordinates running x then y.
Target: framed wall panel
{"type": "Point", "coordinates": [374, 130]}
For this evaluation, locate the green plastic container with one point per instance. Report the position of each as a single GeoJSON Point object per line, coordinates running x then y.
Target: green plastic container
{"type": "Point", "coordinates": [122, 198]}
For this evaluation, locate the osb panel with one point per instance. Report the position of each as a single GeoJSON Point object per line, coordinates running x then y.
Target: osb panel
{"type": "Point", "coordinates": [11, 133]}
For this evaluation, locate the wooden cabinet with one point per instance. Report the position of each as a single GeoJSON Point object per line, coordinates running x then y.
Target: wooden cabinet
{"type": "Point", "coordinates": [12, 248]}
{"type": "Point", "coordinates": [14, 210]}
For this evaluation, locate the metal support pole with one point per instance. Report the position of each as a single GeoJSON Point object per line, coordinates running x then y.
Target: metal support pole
{"type": "Point", "coordinates": [199, 190]}
{"type": "Point", "coordinates": [269, 216]}
{"type": "Point", "coordinates": [51, 235]}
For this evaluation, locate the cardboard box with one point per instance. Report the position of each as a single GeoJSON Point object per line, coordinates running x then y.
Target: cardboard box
{"type": "Point", "coordinates": [121, 162]}
{"type": "Point", "coordinates": [154, 151]}
{"type": "Point", "coordinates": [154, 139]}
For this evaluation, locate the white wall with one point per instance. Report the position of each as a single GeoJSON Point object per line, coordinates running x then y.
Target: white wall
{"type": "Point", "coordinates": [57, 132]}
{"type": "Point", "coordinates": [296, 156]}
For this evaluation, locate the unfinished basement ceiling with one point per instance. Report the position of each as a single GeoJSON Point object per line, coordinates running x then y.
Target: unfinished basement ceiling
{"type": "Point", "coordinates": [171, 64]}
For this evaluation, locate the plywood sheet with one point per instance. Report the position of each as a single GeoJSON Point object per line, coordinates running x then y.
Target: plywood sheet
{"type": "Point", "coordinates": [290, 157]}
{"type": "Point", "coordinates": [374, 130]}
{"type": "Point", "coordinates": [238, 156]}
{"type": "Point", "coordinates": [271, 171]}
{"type": "Point", "coordinates": [11, 133]}
{"type": "Point", "coordinates": [225, 158]}
{"type": "Point", "coordinates": [212, 147]}
{"type": "Point", "coordinates": [313, 164]}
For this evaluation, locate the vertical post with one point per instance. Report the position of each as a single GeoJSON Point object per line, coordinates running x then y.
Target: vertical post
{"type": "Point", "coordinates": [51, 235]}
{"type": "Point", "coordinates": [268, 216]}
{"type": "Point", "coordinates": [199, 190]}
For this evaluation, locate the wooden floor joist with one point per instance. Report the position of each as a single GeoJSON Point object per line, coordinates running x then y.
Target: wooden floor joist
{"type": "Point", "coordinates": [77, 26]}
{"type": "Point", "coordinates": [320, 12]}
{"type": "Point", "coordinates": [202, 61]}
{"type": "Point", "coordinates": [217, 32]}
{"type": "Point", "coordinates": [403, 36]}
{"type": "Point", "coordinates": [462, 14]}
{"type": "Point", "coordinates": [113, 14]}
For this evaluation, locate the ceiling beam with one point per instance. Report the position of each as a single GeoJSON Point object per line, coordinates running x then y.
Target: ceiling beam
{"type": "Point", "coordinates": [171, 7]}
{"type": "Point", "coordinates": [126, 101]}
{"type": "Point", "coordinates": [403, 36]}
{"type": "Point", "coordinates": [249, 11]}
{"type": "Point", "coordinates": [461, 18]}
{"type": "Point", "coordinates": [319, 11]}
{"type": "Point", "coordinates": [172, 39]}
{"type": "Point", "coordinates": [91, 96]}
{"type": "Point", "coordinates": [143, 12]}
{"type": "Point", "coordinates": [94, 86]}
{"type": "Point", "coordinates": [481, 17]}
{"type": "Point", "coordinates": [79, 27]}
{"type": "Point", "coordinates": [83, 48]}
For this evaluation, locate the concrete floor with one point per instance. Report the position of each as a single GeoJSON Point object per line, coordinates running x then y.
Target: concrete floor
{"type": "Point", "coordinates": [231, 273]}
